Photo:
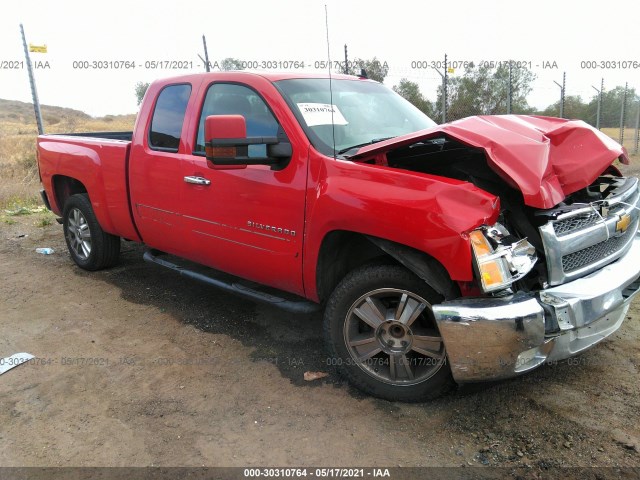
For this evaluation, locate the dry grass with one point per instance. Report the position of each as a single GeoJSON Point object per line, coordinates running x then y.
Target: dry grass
{"type": "Point", "coordinates": [629, 136]}
{"type": "Point", "coordinates": [629, 142]}
{"type": "Point", "coordinates": [19, 182]}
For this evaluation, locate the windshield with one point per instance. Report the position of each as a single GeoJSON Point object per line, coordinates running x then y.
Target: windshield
{"type": "Point", "coordinates": [362, 113]}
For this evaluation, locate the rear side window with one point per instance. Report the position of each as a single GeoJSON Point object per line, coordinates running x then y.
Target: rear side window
{"type": "Point", "coordinates": [168, 117]}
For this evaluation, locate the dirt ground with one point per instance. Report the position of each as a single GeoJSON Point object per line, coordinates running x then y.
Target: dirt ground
{"type": "Point", "coordinates": [138, 367]}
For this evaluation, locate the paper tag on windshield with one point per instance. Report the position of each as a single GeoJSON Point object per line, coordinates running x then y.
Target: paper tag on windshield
{"type": "Point", "coordinates": [321, 114]}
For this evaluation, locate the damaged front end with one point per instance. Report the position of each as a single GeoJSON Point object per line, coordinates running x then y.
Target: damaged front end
{"type": "Point", "coordinates": [556, 273]}
{"type": "Point", "coordinates": [588, 272]}
{"type": "Point", "coordinates": [499, 337]}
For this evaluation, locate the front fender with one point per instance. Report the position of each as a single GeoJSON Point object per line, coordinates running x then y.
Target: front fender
{"type": "Point", "coordinates": [425, 212]}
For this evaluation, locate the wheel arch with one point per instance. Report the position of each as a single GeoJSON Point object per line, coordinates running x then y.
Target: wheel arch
{"type": "Point", "coordinates": [422, 264]}
{"type": "Point", "coordinates": [65, 186]}
{"type": "Point", "coordinates": [342, 251]}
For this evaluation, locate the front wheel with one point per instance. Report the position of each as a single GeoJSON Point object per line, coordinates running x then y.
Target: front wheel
{"type": "Point", "coordinates": [91, 248]}
{"type": "Point", "coordinates": [381, 331]}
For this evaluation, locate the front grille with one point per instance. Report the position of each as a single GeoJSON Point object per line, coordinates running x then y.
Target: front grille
{"type": "Point", "coordinates": [587, 239]}
{"type": "Point", "coordinates": [596, 252]}
{"type": "Point", "coordinates": [569, 225]}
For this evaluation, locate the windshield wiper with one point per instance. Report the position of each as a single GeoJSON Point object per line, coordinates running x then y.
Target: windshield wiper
{"type": "Point", "coordinates": [370, 142]}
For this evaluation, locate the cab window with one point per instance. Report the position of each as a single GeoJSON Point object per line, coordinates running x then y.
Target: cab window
{"type": "Point", "coordinates": [168, 117]}
{"type": "Point", "coordinates": [232, 99]}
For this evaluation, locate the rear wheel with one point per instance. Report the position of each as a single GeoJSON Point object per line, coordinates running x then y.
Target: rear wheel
{"type": "Point", "coordinates": [90, 247]}
{"type": "Point", "coordinates": [381, 331]}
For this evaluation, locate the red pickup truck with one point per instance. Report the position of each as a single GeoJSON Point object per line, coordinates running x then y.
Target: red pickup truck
{"type": "Point", "coordinates": [474, 250]}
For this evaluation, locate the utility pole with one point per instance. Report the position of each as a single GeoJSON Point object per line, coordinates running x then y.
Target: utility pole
{"type": "Point", "coordinates": [599, 102]}
{"type": "Point", "coordinates": [346, 60]}
{"type": "Point", "coordinates": [562, 88]}
{"type": "Point", "coordinates": [637, 139]}
{"type": "Point", "coordinates": [32, 81]}
{"type": "Point", "coordinates": [509, 90]}
{"type": "Point", "coordinates": [207, 65]}
{"type": "Point", "coordinates": [622, 113]}
{"type": "Point", "coordinates": [444, 89]}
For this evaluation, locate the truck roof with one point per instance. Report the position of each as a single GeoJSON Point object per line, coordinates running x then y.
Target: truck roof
{"type": "Point", "coordinates": [271, 76]}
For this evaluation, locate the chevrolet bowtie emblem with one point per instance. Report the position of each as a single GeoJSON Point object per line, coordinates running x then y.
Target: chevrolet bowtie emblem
{"type": "Point", "coordinates": [623, 223]}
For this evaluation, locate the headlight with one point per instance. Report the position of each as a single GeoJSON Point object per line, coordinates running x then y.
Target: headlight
{"type": "Point", "coordinates": [500, 266]}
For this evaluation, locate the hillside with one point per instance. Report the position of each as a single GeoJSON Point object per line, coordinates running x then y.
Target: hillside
{"type": "Point", "coordinates": [18, 118]}
{"type": "Point", "coordinates": [15, 111]}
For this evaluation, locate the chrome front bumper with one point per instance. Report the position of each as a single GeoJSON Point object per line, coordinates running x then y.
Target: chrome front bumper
{"type": "Point", "coordinates": [497, 338]}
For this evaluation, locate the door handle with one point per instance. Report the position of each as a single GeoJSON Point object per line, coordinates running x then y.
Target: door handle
{"type": "Point", "coordinates": [197, 180]}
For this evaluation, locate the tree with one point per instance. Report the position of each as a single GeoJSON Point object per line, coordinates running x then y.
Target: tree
{"type": "Point", "coordinates": [574, 108]}
{"type": "Point", "coordinates": [611, 106]}
{"type": "Point", "coordinates": [231, 63]}
{"type": "Point", "coordinates": [610, 109]}
{"type": "Point", "coordinates": [411, 91]}
{"type": "Point", "coordinates": [484, 91]}
{"type": "Point", "coordinates": [376, 70]}
{"type": "Point", "coordinates": [141, 89]}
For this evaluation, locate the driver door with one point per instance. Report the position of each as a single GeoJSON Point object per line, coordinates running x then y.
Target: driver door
{"type": "Point", "coordinates": [245, 221]}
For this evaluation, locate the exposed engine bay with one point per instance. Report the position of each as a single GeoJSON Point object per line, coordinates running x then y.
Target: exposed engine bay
{"type": "Point", "coordinates": [589, 228]}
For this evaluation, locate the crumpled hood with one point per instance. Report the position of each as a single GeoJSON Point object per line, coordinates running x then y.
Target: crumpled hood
{"type": "Point", "coordinates": [546, 158]}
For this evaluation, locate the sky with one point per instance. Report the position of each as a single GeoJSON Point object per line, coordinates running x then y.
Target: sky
{"type": "Point", "coordinates": [561, 35]}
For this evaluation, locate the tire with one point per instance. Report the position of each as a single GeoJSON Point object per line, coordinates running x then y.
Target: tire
{"type": "Point", "coordinates": [383, 337]}
{"type": "Point", "coordinates": [91, 248]}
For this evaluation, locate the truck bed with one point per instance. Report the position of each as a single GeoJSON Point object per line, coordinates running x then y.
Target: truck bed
{"type": "Point", "coordinates": [98, 163]}
{"type": "Point", "coordinates": [106, 135]}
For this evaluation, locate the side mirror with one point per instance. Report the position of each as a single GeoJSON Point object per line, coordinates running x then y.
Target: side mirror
{"type": "Point", "coordinates": [227, 144]}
